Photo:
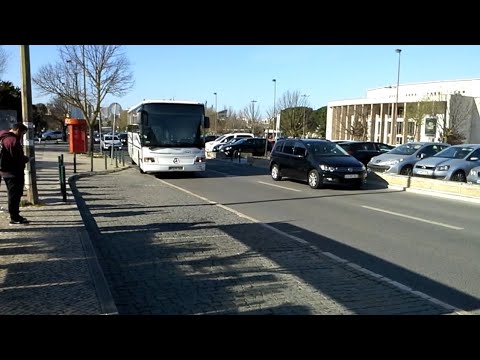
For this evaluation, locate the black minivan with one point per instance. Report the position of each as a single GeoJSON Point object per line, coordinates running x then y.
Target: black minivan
{"type": "Point", "coordinates": [318, 162]}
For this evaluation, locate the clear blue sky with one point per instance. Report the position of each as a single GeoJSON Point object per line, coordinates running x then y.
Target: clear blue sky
{"type": "Point", "coordinates": [242, 73]}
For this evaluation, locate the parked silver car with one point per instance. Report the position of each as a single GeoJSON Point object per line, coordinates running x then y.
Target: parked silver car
{"type": "Point", "coordinates": [52, 135]}
{"type": "Point", "coordinates": [473, 176]}
{"type": "Point", "coordinates": [401, 159]}
{"type": "Point", "coordinates": [453, 163]}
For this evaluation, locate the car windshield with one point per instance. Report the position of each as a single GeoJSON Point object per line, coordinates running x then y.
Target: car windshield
{"type": "Point", "coordinates": [406, 149]}
{"type": "Point", "coordinates": [455, 152]}
{"type": "Point", "coordinates": [325, 149]}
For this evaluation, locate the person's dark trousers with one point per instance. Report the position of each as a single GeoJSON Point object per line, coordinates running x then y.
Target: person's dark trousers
{"type": "Point", "coordinates": [15, 192]}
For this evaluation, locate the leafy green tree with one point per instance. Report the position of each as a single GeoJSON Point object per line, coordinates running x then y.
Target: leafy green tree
{"type": "Point", "coordinates": [10, 98]}
{"type": "Point", "coordinates": [317, 121]}
{"type": "Point", "coordinates": [40, 118]}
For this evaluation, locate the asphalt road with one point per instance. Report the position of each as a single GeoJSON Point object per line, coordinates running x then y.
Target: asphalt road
{"type": "Point", "coordinates": [427, 243]}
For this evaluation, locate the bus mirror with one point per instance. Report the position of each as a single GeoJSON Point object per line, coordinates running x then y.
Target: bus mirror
{"type": "Point", "coordinates": [144, 117]}
{"type": "Point", "coordinates": [206, 122]}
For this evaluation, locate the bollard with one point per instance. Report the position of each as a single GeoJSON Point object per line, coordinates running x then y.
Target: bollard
{"type": "Point", "coordinates": [74, 163]}
{"type": "Point", "coordinates": [105, 157]}
{"type": "Point", "coordinates": [116, 159]}
{"type": "Point", "coordinates": [239, 155]}
{"type": "Point", "coordinates": [60, 164]}
{"type": "Point", "coordinates": [63, 183]}
{"type": "Point", "coordinates": [123, 158]}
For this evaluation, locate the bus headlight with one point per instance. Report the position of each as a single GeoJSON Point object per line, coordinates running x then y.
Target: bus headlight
{"type": "Point", "coordinates": [148, 160]}
{"type": "Point", "coordinates": [200, 159]}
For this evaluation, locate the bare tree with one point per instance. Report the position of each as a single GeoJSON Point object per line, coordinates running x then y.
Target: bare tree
{"type": "Point", "coordinates": [59, 109]}
{"type": "Point", "coordinates": [3, 60]}
{"type": "Point", "coordinates": [291, 122]}
{"type": "Point", "coordinates": [417, 111]}
{"type": "Point", "coordinates": [84, 76]}
{"type": "Point", "coordinates": [359, 127]}
{"type": "Point", "coordinates": [251, 114]}
{"type": "Point", "coordinates": [457, 117]}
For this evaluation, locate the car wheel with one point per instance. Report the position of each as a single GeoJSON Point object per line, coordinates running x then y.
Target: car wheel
{"type": "Point", "coordinates": [235, 154]}
{"type": "Point", "coordinates": [48, 138]}
{"type": "Point", "coordinates": [314, 179]}
{"type": "Point", "coordinates": [406, 170]}
{"type": "Point", "coordinates": [459, 176]}
{"type": "Point", "coordinates": [275, 171]}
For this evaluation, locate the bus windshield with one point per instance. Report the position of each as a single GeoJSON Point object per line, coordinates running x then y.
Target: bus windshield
{"type": "Point", "coordinates": [172, 125]}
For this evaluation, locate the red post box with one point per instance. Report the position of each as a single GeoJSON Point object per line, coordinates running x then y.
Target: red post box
{"type": "Point", "coordinates": [77, 135]}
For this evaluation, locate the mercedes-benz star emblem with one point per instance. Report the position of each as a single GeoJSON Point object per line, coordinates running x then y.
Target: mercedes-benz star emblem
{"type": "Point", "coordinates": [175, 160]}
{"type": "Point", "coordinates": [350, 169]}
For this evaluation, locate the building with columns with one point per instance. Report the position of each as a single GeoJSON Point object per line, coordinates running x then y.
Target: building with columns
{"type": "Point", "coordinates": [422, 113]}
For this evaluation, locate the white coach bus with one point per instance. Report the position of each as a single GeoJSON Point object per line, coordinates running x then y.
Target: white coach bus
{"type": "Point", "coordinates": [167, 136]}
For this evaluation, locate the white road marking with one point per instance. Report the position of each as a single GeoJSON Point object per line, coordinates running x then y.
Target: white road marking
{"type": "Point", "coordinates": [414, 218]}
{"type": "Point", "coordinates": [330, 255]}
{"type": "Point", "coordinates": [281, 187]}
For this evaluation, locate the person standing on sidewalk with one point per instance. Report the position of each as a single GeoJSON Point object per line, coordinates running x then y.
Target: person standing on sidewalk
{"type": "Point", "coordinates": [12, 169]}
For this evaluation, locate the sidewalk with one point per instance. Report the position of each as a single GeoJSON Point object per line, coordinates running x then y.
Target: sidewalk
{"type": "Point", "coordinates": [48, 267]}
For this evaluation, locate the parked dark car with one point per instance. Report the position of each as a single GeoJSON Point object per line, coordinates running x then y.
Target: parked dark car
{"type": "Point", "coordinates": [123, 138]}
{"type": "Point", "coordinates": [255, 146]}
{"type": "Point", "coordinates": [318, 162]}
{"type": "Point", "coordinates": [365, 150]}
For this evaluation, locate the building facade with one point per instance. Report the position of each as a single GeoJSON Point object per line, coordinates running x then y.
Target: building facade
{"type": "Point", "coordinates": [425, 111]}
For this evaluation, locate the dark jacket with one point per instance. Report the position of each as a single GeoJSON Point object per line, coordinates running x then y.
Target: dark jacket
{"type": "Point", "coordinates": [13, 158]}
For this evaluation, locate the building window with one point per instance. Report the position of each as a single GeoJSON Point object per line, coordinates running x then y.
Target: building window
{"type": "Point", "coordinates": [411, 128]}
{"type": "Point", "coordinates": [399, 127]}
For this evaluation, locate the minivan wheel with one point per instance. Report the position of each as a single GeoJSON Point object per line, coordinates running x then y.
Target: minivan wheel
{"type": "Point", "coordinates": [276, 173]}
{"type": "Point", "coordinates": [459, 176]}
{"type": "Point", "coordinates": [314, 179]}
{"type": "Point", "coordinates": [406, 170]}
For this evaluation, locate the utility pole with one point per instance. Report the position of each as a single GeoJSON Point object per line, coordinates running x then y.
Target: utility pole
{"type": "Point", "coordinates": [304, 113]}
{"type": "Point", "coordinates": [216, 114]}
{"type": "Point", "coordinates": [27, 112]}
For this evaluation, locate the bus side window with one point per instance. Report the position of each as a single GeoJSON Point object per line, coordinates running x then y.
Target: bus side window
{"type": "Point", "coordinates": [133, 128]}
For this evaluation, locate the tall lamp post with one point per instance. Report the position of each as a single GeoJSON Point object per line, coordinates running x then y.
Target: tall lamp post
{"type": "Point", "coordinates": [394, 121]}
{"type": "Point", "coordinates": [216, 114]}
{"type": "Point", "coordinates": [271, 126]}
{"type": "Point", "coordinates": [253, 115]}
{"type": "Point", "coordinates": [304, 112]}
{"type": "Point", "coordinates": [274, 108]}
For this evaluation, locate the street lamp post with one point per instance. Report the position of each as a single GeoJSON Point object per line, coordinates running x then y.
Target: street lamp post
{"type": "Point", "coordinates": [304, 112]}
{"type": "Point", "coordinates": [216, 114]}
{"type": "Point", "coordinates": [394, 120]}
{"type": "Point", "coordinates": [253, 115]}
{"type": "Point", "coordinates": [270, 125]}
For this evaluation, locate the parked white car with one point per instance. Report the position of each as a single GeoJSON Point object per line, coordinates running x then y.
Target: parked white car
{"type": "Point", "coordinates": [224, 139]}
{"type": "Point", "coordinates": [108, 140]}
